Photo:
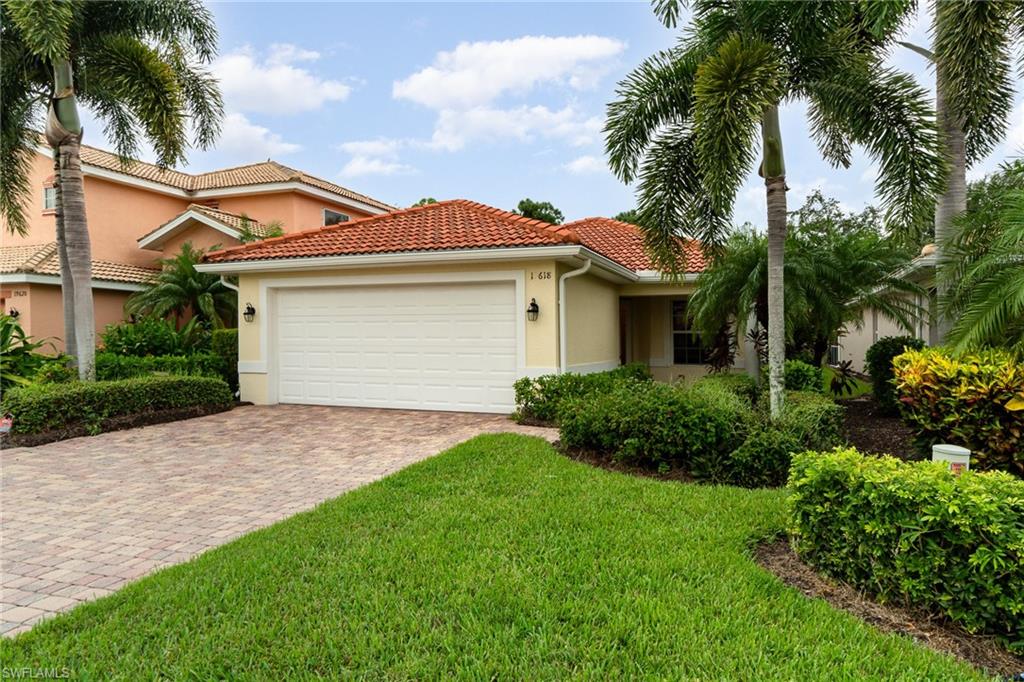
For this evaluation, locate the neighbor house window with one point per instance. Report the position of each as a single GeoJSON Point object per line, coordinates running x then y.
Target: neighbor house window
{"type": "Point", "coordinates": [49, 198]}
{"type": "Point", "coordinates": [687, 348]}
{"type": "Point", "coordinates": [334, 217]}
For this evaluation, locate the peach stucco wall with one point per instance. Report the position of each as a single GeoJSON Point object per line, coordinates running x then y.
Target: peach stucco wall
{"type": "Point", "coordinates": [294, 210]}
{"type": "Point", "coordinates": [41, 313]}
{"type": "Point", "coordinates": [201, 237]}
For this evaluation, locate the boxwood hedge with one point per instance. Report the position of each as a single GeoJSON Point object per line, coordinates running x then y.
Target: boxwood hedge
{"type": "Point", "coordinates": [916, 534]}
{"type": "Point", "coordinates": [541, 399]}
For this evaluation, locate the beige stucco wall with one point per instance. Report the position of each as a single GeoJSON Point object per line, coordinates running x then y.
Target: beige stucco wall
{"type": "Point", "coordinates": [592, 323]}
{"type": "Point", "coordinates": [41, 314]}
{"type": "Point", "coordinates": [853, 345]}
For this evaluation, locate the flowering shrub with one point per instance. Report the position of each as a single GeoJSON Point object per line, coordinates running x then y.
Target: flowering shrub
{"type": "Point", "coordinates": [974, 400]}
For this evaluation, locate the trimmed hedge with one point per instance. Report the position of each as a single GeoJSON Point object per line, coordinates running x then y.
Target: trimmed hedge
{"type": "Point", "coordinates": [542, 399]}
{"type": "Point", "coordinates": [224, 343]}
{"type": "Point", "coordinates": [975, 400]}
{"type": "Point", "coordinates": [914, 533]}
{"type": "Point", "coordinates": [110, 366]}
{"type": "Point", "coordinates": [878, 361]}
{"type": "Point", "coordinates": [50, 407]}
{"type": "Point", "coordinates": [656, 424]}
{"type": "Point", "coordinates": [742, 385]}
{"type": "Point", "coordinates": [812, 419]}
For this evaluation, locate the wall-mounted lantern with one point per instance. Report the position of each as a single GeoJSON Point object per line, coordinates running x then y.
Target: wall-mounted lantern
{"type": "Point", "coordinates": [13, 312]}
{"type": "Point", "coordinates": [532, 310]}
{"type": "Point", "coordinates": [250, 313]}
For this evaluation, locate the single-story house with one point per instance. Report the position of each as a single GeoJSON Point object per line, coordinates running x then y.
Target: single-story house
{"type": "Point", "coordinates": [444, 306]}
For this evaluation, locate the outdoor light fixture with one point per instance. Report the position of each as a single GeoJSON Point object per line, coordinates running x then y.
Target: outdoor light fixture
{"type": "Point", "coordinates": [532, 310]}
{"type": "Point", "coordinates": [13, 312]}
{"type": "Point", "coordinates": [250, 312]}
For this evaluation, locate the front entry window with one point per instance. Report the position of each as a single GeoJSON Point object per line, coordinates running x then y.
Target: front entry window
{"type": "Point", "coordinates": [687, 348]}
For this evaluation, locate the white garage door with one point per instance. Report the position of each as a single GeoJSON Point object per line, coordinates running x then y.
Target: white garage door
{"type": "Point", "coordinates": [429, 347]}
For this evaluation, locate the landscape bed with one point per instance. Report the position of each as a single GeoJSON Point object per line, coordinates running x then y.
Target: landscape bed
{"type": "Point", "coordinates": [497, 559]}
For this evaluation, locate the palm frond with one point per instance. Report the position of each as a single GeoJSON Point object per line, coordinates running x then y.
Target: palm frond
{"type": "Point", "coordinates": [45, 27]}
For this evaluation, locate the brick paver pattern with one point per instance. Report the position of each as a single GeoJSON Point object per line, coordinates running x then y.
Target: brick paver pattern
{"type": "Point", "coordinates": [82, 517]}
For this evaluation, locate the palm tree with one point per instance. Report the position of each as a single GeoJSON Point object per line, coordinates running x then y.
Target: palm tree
{"type": "Point", "coordinates": [973, 55]}
{"type": "Point", "coordinates": [183, 291]}
{"type": "Point", "coordinates": [686, 125]}
{"type": "Point", "coordinates": [982, 265]}
{"type": "Point", "coordinates": [136, 66]}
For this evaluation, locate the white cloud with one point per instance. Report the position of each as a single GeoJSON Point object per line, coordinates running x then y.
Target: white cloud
{"type": "Point", "coordinates": [1015, 136]}
{"type": "Point", "coordinates": [586, 164]}
{"type": "Point", "coordinates": [364, 165]}
{"type": "Point", "coordinates": [475, 74]}
{"type": "Point", "coordinates": [243, 138]}
{"type": "Point", "coordinates": [374, 157]}
{"type": "Point", "coordinates": [454, 128]}
{"type": "Point", "coordinates": [274, 85]}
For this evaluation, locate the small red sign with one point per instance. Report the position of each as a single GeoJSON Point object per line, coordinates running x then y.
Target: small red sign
{"type": "Point", "coordinates": [6, 422]}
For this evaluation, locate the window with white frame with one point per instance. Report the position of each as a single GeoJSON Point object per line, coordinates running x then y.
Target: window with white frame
{"type": "Point", "coordinates": [334, 217]}
{"type": "Point", "coordinates": [687, 348]}
{"type": "Point", "coordinates": [49, 198]}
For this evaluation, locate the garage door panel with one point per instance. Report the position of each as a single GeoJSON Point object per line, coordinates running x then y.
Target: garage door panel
{"type": "Point", "coordinates": [445, 347]}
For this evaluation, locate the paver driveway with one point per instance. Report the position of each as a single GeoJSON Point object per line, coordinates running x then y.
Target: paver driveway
{"type": "Point", "coordinates": [82, 517]}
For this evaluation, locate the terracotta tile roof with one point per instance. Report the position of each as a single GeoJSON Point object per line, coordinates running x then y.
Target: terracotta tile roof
{"type": "Point", "coordinates": [42, 259]}
{"type": "Point", "coordinates": [624, 243]}
{"type": "Point", "coordinates": [260, 173]}
{"type": "Point", "coordinates": [230, 220]}
{"type": "Point", "coordinates": [443, 226]}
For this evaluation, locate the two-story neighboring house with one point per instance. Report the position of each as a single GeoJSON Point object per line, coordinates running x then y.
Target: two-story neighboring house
{"type": "Point", "coordinates": [140, 213]}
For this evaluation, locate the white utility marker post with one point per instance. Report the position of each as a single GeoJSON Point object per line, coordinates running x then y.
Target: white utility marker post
{"type": "Point", "coordinates": [958, 459]}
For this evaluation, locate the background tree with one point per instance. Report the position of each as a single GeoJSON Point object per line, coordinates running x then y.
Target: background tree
{"type": "Point", "coordinates": [183, 291]}
{"type": "Point", "coordinates": [632, 216]}
{"type": "Point", "coordinates": [137, 67]}
{"type": "Point", "coordinates": [687, 123]}
{"type": "Point", "coordinates": [246, 235]}
{"type": "Point", "coordinates": [424, 201]}
{"type": "Point", "coordinates": [973, 58]}
{"type": "Point", "coordinates": [540, 210]}
{"type": "Point", "coordinates": [982, 264]}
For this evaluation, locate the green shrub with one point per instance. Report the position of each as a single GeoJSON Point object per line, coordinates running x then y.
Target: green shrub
{"type": "Point", "coordinates": [799, 376]}
{"type": "Point", "coordinates": [655, 424]}
{"type": "Point", "coordinates": [742, 385]}
{"type": "Point", "coordinates": [50, 407]}
{"type": "Point", "coordinates": [878, 361]}
{"type": "Point", "coordinates": [541, 399]}
{"type": "Point", "coordinates": [147, 336]}
{"type": "Point", "coordinates": [975, 400]}
{"type": "Point", "coordinates": [58, 370]}
{"type": "Point", "coordinates": [763, 459]}
{"type": "Point", "coordinates": [914, 533]}
{"type": "Point", "coordinates": [814, 420]}
{"type": "Point", "coordinates": [224, 342]}
{"type": "Point", "coordinates": [110, 366]}
{"type": "Point", "coordinates": [19, 361]}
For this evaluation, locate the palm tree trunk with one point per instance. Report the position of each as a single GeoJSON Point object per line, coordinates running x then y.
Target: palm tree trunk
{"type": "Point", "coordinates": [64, 131]}
{"type": "Point", "coordinates": [953, 201]}
{"type": "Point", "coordinates": [67, 285]}
{"type": "Point", "coordinates": [773, 169]}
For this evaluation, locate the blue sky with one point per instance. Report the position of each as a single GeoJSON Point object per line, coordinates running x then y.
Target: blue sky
{"type": "Point", "coordinates": [490, 102]}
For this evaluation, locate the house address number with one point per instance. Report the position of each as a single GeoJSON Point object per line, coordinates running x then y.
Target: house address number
{"type": "Point", "coordinates": [543, 274]}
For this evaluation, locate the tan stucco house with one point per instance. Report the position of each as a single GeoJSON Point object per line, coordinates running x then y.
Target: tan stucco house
{"type": "Point", "coordinates": [444, 306]}
{"type": "Point", "coordinates": [139, 213]}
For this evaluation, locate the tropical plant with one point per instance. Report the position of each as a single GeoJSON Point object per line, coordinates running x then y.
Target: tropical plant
{"type": "Point", "coordinates": [686, 123]}
{"type": "Point", "coordinates": [182, 291]}
{"type": "Point", "coordinates": [246, 234]}
{"type": "Point", "coordinates": [982, 265]}
{"type": "Point", "coordinates": [19, 361]}
{"type": "Point", "coordinates": [156, 336]}
{"type": "Point", "coordinates": [540, 210]}
{"type": "Point", "coordinates": [843, 381]}
{"type": "Point", "coordinates": [973, 58]}
{"type": "Point", "coordinates": [137, 67]}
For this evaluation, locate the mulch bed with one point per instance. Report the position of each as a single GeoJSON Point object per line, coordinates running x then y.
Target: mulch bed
{"type": "Point", "coordinates": [611, 464]}
{"type": "Point", "coordinates": [873, 432]}
{"type": "Point", "coordinates": [128, 421]}
{"type": "Point", "coordinates": [938, 634]}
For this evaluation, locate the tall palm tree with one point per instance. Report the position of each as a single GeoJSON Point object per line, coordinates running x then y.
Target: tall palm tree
{"type": "Point", "coordinates": [973, 58]}
{"type": "Point", "coordinates": [686, 125]}
{"type": "Point", "coordinates": [183, 291]}
{"type": "Point", "coordinates": [138, 67]}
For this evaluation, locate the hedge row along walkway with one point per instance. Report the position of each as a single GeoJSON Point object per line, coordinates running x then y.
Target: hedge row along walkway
{"type": "Point", "coordinates": [82, 517]}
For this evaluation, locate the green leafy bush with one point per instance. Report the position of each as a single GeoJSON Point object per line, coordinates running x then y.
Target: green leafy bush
{"type": "Point", "coordinates": [655, 424]}
{"type": "Point", "coordinates": [19, 361]}
{"type": "Point", "coordinates": [541, 399]}
{"type": "Point", "coordinates": [110, 366]}
{"type": "Point", "coordinates": [799, 376]}
{"type": "Point", "coordinates": [224, 342]}
{"type": "Point", "coordinates": [742, 385]}
{"type": "Point", "coordinates": [156, 336]}
{"type": "Point", "coordinates": [58, 370]}
{"type": "Point", "coordinates": [763, 459]}
{"type": "Point", "coordinates": [878, 361]}
{"type": "Point", "coordinates": [812, 419]}
{"type": "Point", "coordinates": [914, 533]}
{"type": "Point", "coordinates": [49, 407]}
{"type": "Point", "coordinates": [975, 400]}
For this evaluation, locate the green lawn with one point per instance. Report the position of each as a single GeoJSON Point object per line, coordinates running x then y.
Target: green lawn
{"type": "Point", "coordinates": [862, 387]}
{"type": "Point", "coordinates": [497, 559]}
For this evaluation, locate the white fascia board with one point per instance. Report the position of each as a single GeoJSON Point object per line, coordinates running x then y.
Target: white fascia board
{"type": "Point", "coordinates": [406, 258]}
{"type": "Point", "coordinates": [157, 238]}
{"type": "Point", "coordinates": [657, 277]}
{"type": "Point", "coordinates": [35, 278]}
{"type": "Point", "coordinates": [289, 187]}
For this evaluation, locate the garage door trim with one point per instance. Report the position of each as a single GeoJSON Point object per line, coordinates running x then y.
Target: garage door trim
{"type": "Point", "coordinates": [266, 313]}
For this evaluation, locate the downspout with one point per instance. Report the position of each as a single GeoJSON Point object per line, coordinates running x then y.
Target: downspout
{"type": "Point", "coordinates": [563, 348]}
{"type": "Point", "coordinates": [228, 284]}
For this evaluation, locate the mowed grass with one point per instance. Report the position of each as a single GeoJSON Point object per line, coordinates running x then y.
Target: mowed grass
{"type": "Point", "coordinates": [497, 559]}
{"type": "Point", "coordinates": [860, 387]}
